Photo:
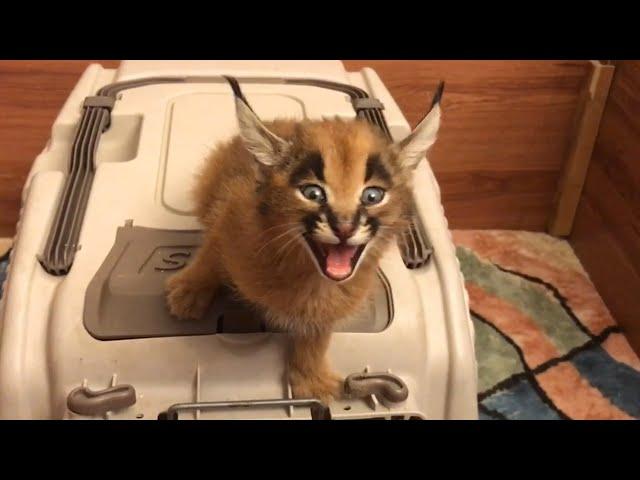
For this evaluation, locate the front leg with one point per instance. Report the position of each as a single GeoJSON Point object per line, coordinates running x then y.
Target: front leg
{"type": "Point", "coordinates": [190, 291]}
{"type": "Point", "coordinates": [309, 373]}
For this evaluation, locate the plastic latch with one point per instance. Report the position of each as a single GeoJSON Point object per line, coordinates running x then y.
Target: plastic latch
{"type": "Point", "coordinates": [84, 401]}
{"type": "Point", "coordinates": [99, 101]}
{"type": "Point", "coordinates": [386, 386]}
{"type": "Point", "coordinates": [366, 103]}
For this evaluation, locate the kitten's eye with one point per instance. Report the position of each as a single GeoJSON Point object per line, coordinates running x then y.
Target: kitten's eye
{"type": "Point", "coordinates": [372, 195]}
{"type": "Point", "coordinates": [314, 193]}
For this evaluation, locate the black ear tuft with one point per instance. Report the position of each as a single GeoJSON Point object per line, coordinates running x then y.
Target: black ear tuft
{"type": "Point", "coordinates": [438, 95]}
{"type": "Point", "coordinates": [237, 91]}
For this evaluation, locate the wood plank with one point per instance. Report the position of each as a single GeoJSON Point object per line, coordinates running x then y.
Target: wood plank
{"type": "Point", "coordinates": [574, 171]}
{"type": "Point", "coordinates": [606, 234]}
{"type": "Point", "coordinates": [503, 117]}
{"type": "Point", "coordinates": [615, 210]}
{"type": "Point", "coordinates": [609, 268]}
{"type": "Point", "coordinates": [512, 197]}
{"type": "Point", "coordinates": [31, 95]}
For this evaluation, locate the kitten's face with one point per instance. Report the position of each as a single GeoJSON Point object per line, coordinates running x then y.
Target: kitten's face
{"type": "Point", "coordinates": [337, 188]}
{"type": "Point", "coordinates": [340, 187]}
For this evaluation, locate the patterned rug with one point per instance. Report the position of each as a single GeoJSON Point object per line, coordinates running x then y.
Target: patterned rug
{"type": "Point", "coordinates": [547, 346]}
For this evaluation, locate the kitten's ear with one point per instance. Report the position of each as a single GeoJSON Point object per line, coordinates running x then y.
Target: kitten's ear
{"type": "Point", "coordinates": [413, 148]}
{"type": "Point", "coordinates": [268, 148]}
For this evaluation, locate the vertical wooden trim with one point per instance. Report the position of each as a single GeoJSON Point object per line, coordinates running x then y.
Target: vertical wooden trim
{"type": "Point", "coordinates": [587, 123]}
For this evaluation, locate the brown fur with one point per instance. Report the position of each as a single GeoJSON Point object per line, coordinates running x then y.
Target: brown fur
{"type": "Point", "coordinates": [251, 216]}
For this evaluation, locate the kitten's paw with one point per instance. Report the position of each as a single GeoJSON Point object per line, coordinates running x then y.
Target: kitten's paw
{"type": "Point", "coordinates": [326, 387]}
{"type": "Point", "coordinates": [184, 300]}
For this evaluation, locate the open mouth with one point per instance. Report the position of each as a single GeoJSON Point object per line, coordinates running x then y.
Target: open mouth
{"type": "Point", "coordinates": [337, 262]}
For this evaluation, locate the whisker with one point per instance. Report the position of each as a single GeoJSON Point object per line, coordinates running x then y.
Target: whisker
{"type": "Point", "coordinates": [291, 230]}
{"type": "Point", "coordinates": [284, 247]}
{"type": "Point", "coordinates": [288, 224]}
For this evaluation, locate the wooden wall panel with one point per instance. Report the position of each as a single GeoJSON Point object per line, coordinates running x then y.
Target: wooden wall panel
{"type": "Point", "coordinates": [504, 136]}
{"type": "Point", "coordinates": [606, 234]}
{"type": "Point", "coordinates": [503, 139]}
{"type": "Point", "coordinates": [31, 95]}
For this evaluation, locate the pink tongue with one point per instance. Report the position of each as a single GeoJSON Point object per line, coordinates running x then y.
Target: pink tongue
{"type": "Point", "coordinates": [339, 260]}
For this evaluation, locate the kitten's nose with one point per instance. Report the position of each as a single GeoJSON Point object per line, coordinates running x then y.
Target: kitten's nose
{"type": "Point", "coordinates": [344, 230]}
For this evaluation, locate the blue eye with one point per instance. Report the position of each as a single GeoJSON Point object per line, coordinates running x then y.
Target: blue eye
{"type": "Point", "coordinates": [314, 193]}
{"type": "Point", "coordinates": [372, 195]}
